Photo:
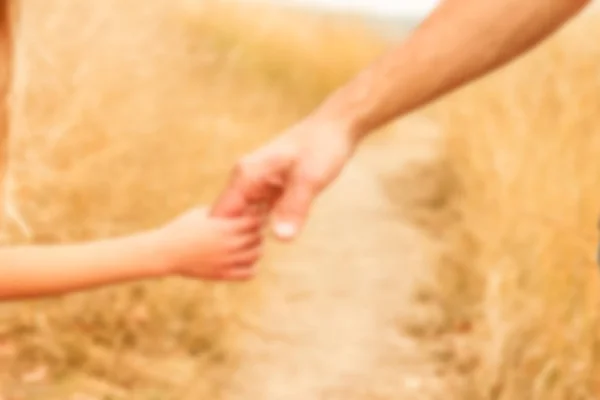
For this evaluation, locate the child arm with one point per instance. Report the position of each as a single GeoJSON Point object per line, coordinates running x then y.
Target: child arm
{"type": "Point", "coordinates": [37, 271]}
{"type": "Point", "coordinates": [193, 245]}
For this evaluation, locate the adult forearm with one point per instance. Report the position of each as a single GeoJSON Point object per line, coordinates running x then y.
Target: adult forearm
{"type": "Point", "coordinates": [460, 41]}
{"type": "Point", "coordinates": [27, 271]}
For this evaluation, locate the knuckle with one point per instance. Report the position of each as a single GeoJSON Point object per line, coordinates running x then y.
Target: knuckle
{"type": "Point", "coordinates": [220, 272]}
{"type": "Point", "coordinates": [247, 172]}
{"type": "Point", "coordinates": [247, 261]}
{"type": "Point", "coordinates": [241, 170]}
{"type": "Point", "coordinates": [255, 256]}
{"type": "Point", "coordinates": [246, 277]}
{"type": "Point", "coordinates": [311, 176]}
{"type": "Point", "coordinates": [246, 166]}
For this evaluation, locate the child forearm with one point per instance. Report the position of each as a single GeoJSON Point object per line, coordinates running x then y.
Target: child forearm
{"type": "Point", "coordinates": [34, 271]}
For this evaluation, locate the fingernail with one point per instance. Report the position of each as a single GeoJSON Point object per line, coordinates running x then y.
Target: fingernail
{"type": "Point", "coordinates": [285, 230]}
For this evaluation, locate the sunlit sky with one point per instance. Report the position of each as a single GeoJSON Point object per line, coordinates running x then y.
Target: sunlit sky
{"type": "Point", "coordinates": [405, 8]}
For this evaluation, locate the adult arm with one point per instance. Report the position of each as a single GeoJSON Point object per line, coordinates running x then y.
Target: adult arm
{"type": "Point", "coordinates": [459, 42]}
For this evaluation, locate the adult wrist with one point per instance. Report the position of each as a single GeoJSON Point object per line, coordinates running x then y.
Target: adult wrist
{"type": "Point", "coordinates": [339, 122]}
{"type": "Point", "coordinates": [343, 116]}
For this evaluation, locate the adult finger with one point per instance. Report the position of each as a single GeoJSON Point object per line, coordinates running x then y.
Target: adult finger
{"type": "Point", "coordinates": [251, 182]}
{"type": "Point", "coordinates": [291, 211]}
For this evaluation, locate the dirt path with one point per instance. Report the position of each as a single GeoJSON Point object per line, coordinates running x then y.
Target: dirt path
{"type": "Point", "coordinates": [344, 308]}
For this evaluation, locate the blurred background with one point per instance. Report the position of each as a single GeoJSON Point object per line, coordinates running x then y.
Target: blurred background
{"type": "Point", "coordinates": [454, 258]}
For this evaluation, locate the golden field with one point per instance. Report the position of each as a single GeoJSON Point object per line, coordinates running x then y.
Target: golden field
{"type": "Point", "coordinates": [461, 239]}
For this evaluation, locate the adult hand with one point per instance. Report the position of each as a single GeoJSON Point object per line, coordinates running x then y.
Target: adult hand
{"type": "Point", "coordinates": [287, 174]}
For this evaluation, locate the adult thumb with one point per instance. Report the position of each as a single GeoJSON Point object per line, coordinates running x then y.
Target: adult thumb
{"type": "Point", "coordinates": [292, 209]}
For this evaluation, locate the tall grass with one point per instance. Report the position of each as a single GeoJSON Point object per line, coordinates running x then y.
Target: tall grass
{"type": "Point", "coordinates": [523, 145]}
{"type": "Point", "coordinates": [125, 113]}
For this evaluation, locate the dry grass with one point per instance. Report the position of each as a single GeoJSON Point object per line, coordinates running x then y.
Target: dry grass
{"type": "Point", "coordinates": [125, 113]}
{"type": "Point", "coordinates": [523, 145]}
{"type": "Point", "coordinates": [123, 116]}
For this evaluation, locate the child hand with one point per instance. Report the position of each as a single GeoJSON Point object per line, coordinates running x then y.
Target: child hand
{"type": "Point", "coordinates": [197, 245]}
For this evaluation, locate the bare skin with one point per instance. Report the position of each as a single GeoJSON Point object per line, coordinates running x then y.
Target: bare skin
{"type": "Point", "coordinates": [459, 42]}
{"type": "Point", "coordinates": [462, 40]}
{"type": "Point", "coordinates": [194, 245]}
